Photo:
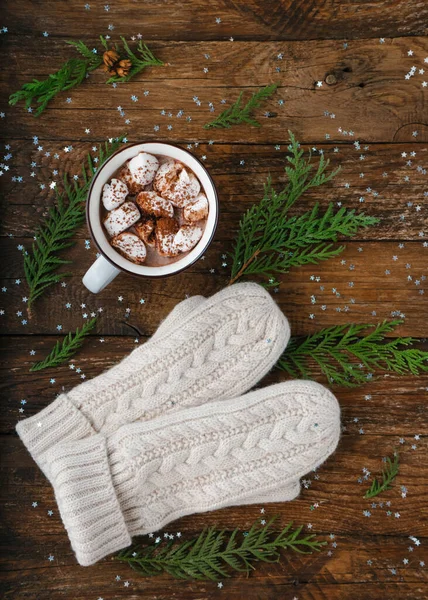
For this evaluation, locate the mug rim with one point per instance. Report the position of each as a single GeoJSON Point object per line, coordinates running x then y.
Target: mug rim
{"type": "Point", "coordinates": [159, 275]}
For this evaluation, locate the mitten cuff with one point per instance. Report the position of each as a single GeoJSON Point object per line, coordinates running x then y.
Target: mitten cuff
{"type": "Point", "coordinates": [86, 498]}
{"type": "Point", "coordinates": [59, 422]}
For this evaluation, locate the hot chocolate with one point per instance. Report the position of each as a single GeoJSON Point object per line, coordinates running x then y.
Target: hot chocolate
{"type": "Point", "coordinates": [154, 210]}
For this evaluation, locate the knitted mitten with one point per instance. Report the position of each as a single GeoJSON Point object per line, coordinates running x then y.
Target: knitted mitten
{"type": "Point", "coordinates": [178, 313]}
{"type": "Point", "coordinates": [218, 349]}
{"type": "Point", "coordinates": [219, 454]}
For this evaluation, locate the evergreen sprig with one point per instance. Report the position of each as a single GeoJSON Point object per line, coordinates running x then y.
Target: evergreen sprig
{"type": "Point", "coordinates": [214, 553]}
{"type": "Point", "coordinates": [236, 113]}
{"type": "Point", "coordinates": [55, 232]}
{"type": "Point", "coordinates": [389, 473]}
{"type": "Point", "coordinates": [348, 359]}
{"type": "Point", "coordinates": [145, 59]}
{"type": "Point", "coordinates": [270, 241]}
{"type": "Point", "coordinates": [65, 349]}
{"type": "Point", "coordinates": [74, 72]}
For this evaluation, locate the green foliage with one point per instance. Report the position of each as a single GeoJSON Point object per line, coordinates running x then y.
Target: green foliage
{"type": "Point", "coordinates": [214, 553]}
{"type": "Point", "coordinates": [269, 241]}
{"type": "Point", "coordinates": [75, 71]}
{"type": "Point", "coordinates": [71, 74]}
{"type": "Point", "coordinates": [388, 475]}
{"type": "Point", "coordinates": [347, 359]}
{"type": "Point", "coordinates": [64, 350]}
{"type": "Point", "coordinates": [55, 232]}
{"type": "Point", "coordinates": [91, 56]}
{"type": "Point", "coordinates": [145, 59]}
{"type": "Point", "coordinates": [236, 113]}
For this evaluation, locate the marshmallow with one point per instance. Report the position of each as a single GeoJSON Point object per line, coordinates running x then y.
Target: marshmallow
{"type": "Point", "coordinates": [125, 176]}
{"type": "Point", "coordinates": [197, 210]}
{"type": "Point", "coordinates": [121, 218]}
{"type": "Point", "coordinates": [143, 168]}
{"type": "Point", "coordinates": [175, 183]}
{"type": "Point", "coordinates": [130, 246]}
{"type": "Point", "coordinates": [165, 233]}
{"type": "Point", "coordinates": [145, 229]}
{"type": "Point", "coordinates": [172, 240]}
{"type": "Point", "coordinates": [154, 205]}
{"type": "Point", "coordinates": [139, 172]}
{"type": "Point", "coordinates": [187, 237]}
{"type": "Point", "coordinates": [114, 194]}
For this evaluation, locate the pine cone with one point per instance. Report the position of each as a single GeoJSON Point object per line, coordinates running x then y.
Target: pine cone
{"type": "Point", "coordinates": [123, 67]}
{"type": "Point", "coordinates": [110, 58]}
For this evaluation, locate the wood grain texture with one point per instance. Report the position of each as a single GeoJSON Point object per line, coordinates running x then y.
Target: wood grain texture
{"type": "Point", "coordinates": [383, 166]}
{"type": "Point", "coordinates": [367, 74]}
{"type": "Point", "coordinates": [249, 19]}
{"type": "Point", "coordinates": [383, 293]}
{"type": "Point", "coordinates": [364, 97]}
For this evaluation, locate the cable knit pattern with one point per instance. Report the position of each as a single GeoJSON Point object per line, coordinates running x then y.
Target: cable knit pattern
{"type": "Point", "coordinates": [203, 458]}
{"type": "Point", "coordinates": [214, 348]}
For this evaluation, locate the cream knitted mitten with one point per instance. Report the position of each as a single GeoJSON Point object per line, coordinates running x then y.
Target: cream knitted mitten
{"type": "Point", "coordinates": [178, 313]}
{"type": "Point", "coordinates": [219, 454]}
{"type": "Point", "coordinates": [219, 348]}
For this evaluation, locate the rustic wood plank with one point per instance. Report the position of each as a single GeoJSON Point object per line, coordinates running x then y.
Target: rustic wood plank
{"type": "Point", "coordinates": [350, 555]}
{"type": "Point", "coordinates": [366, 74]}
{"type": "Point", "coordinates": [395, 405]}
{"type": "Point", "coordinates": [369, 291]}
{"type": "Point", "coordinates": [393, 199]}
{"type": "Point", "coordinates": [266, 589]}
{"type": "Point", "coordinates": [270, 584]}
{"type": "Point", "coordinates": [197, 20]}
{"type": "Point", "coordinates": [335, 489]}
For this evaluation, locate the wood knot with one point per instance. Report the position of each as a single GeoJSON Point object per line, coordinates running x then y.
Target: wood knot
{"type": "Point", "coordinates": [331, 79]}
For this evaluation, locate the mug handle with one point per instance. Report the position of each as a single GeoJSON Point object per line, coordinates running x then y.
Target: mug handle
{"type": "Point", "coordinates": [99, 275]}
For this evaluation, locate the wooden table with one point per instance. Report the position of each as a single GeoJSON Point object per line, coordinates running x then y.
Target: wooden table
{"type": "Point", "coordinates": [360, 52]}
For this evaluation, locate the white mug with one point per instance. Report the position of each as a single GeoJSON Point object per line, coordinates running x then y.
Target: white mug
{"type": "Point", "coordinates": [111, 263]}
